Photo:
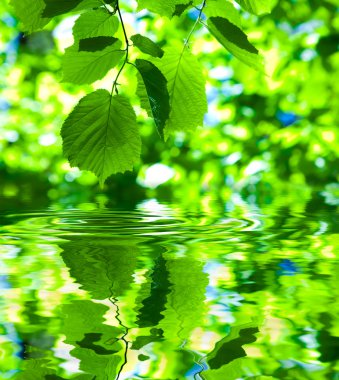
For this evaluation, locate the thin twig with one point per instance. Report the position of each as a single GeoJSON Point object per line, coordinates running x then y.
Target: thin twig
{"type": "Point", "coordinates": [115, 83]}
{"type": "Point", "coordinates": [196, 23]}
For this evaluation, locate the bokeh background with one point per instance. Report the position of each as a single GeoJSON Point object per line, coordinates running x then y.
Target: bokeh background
{"type": "Point", "coordinates": [263, 135]}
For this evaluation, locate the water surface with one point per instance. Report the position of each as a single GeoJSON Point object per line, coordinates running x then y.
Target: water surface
{"type": "Point", "coordinates": [215, 291]}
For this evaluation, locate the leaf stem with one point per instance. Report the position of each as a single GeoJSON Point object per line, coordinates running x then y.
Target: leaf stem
{"type": "Point", "coordinates": [115, 83]}
{"type": "Point", "coordinates": [195, 24]}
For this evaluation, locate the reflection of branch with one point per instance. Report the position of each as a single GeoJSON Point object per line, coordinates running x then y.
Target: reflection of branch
{"type": "Point", "coordinates": [198, 375]}
{"type": "Point", "coordinates": [114, 301]}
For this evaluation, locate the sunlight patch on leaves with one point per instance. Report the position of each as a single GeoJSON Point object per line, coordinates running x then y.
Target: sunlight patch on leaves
{"type": "Point", "coordinates": [101, 135]}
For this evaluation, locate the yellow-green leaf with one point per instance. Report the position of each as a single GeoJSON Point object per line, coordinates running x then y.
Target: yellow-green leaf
{"type": "Point", "coordinates": [101, 135]}
{"type": "Point", "coordinates": [81, 67]}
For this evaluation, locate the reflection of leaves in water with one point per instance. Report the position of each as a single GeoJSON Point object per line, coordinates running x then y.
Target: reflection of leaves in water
{"type": "Point", "coordinates": [143, 358]}
{"type": "Point", "coordinates": [150, 313]}
{"type": "Point", "coordinates": [35, 369]}
{"type": "Point", "coordinates": [225, 357]}
{"type": "Point", "coordinates": [102, 268]}
{"type": "Point", "coordinates": [328, 344]}
{"type": "Point", "coordinates": [89, 342]}
{"type": "Point", "coordinates": [95, 342]}
{"type": "Point", "coordinates": [35, 339]}
{"type": "Point", "coordinates": [230, 348]}
{"type": "Point", "coordinates": [141, 341]}
{"type": "Point", "coordinates": [185, 307]}
{"type": "Point", "coordinates": [232, 371]}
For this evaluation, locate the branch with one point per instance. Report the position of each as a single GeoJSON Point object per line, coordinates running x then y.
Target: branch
{"type": "Point", "coordinates": [115, 83]}
{"type": "Point", "coordinates": [196, 23]}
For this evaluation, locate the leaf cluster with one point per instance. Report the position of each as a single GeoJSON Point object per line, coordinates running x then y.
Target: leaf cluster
{"type": "Point", "coordinates": [101, 134]}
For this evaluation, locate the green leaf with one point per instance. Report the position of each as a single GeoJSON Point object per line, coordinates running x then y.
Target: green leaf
{"type": "Point", "coordinates": [186, 87]}
{"type": "Point", "coordinates": [163, 7]}
{"type": "Point", "coordinates": [183, 6]}
{"type": "Point", "coordinates": [142, 95]}
{"type": "Point", "coordinates": [180, 8]}
{"type": "Point", "coordinates": [29, 13]}
{"type": "Point", "coordinates": [82, 67]}
{"type": "Point", "coordinates": [101, 135]}
{"type": "Point", "coordinates": [156, 88]}
{"type": "Point", "coordinates": [58, 7]}
{"type": "Point", "coordinates": [96, 43]}
{"type": "Point", "coordinates": [95, 23]}
{"type": "Point", "coordinates": [256, 7]}
{"type": "Point", "coordinates": [147, 46]}
{"type": "Point", "coordinates": [235, 41]}
{"type": "Point", "coordinates": [225, 9]}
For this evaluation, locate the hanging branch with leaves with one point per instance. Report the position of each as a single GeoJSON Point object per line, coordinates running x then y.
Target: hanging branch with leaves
{"type": "Point", "coordinates": [101, 133]}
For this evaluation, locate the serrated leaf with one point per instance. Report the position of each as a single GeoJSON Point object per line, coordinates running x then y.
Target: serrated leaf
{"type": "Point", "coordinates": [58, 7]}
{"type": "Point", "coordinates": [235, 41]}
{"type": "Point", "coordinates": [186, 87]}
{"type": "Point", "coordinates": [95, 23]}
{"type": "Point", "coordinates": [29, 13]}
{"type": "Point", "coordinates": [147, 46]}
{"type": "Point", "coordinates": [156, 88]}
{"type": "Point", "coordinates": [163, 7]}
{"type": "Point", "coordinates": [256, 7]}
{"type": "Point", "coordinates": [81, 67]}
{"type": "Point", "coordinates": [101, 135]}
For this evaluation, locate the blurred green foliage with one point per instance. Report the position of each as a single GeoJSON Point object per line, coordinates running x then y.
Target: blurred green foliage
{"type": "Point", "coordinates": [262, 130]}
